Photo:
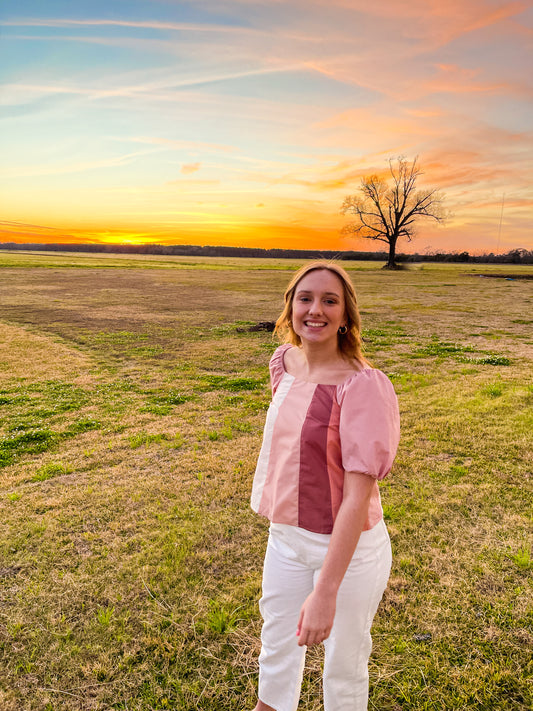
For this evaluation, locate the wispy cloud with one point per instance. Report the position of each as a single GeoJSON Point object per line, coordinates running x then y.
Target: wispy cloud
{"type": "Point", "coordinates": [176, 144]}
{"type": "Point", "coordinates": [188, 27]}
{"type": "Point", "coordinates": [11, 231]}
{"type": "Point", "coordinates": [145, 24]}
{"type": "Point", "coordinates": [161, 89]}
{"type": "Point", "coordinates": [64, 169]}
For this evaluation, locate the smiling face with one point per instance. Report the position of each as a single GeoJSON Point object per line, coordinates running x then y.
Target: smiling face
{"type": "Point", "coordinates": [318, 307]}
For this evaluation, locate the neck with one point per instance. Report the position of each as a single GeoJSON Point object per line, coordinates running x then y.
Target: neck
{"type": "Point", "coordinates": [319, 355]}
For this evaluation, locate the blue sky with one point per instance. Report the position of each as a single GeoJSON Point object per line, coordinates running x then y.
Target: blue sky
{"type": "Point", "coordinates": [239, 122]}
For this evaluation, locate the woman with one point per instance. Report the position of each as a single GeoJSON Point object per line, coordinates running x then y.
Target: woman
{"type": "Point", "coordinates": [331, 432]}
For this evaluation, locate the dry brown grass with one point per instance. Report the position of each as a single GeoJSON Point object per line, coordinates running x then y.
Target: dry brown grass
{"type": "Point", "coordinates": [130, 563]}
{"type": "Point", "coordinates": [28, 355]}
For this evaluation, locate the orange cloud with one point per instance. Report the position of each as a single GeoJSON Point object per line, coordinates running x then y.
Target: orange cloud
{"type": "Point", "coordinates": [189, 168]}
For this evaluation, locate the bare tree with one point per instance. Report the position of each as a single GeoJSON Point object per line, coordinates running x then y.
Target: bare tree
{"type": "Point", "coordinates": [387, 210]}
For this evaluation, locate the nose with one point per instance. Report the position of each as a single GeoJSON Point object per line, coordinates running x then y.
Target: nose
{"type": "Point", "coordinates": [315, 307]}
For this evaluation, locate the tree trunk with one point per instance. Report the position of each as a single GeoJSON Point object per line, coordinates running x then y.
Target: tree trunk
{"type": "Point", "coordinates": [391, 263]}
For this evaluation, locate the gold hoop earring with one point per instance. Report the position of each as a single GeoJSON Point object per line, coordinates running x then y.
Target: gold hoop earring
{"type": "Point", "coordinates": [343, 330]}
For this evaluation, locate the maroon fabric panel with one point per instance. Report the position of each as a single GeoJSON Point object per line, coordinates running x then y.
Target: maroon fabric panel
{"type": "Point", "coordinates": [314, 495]}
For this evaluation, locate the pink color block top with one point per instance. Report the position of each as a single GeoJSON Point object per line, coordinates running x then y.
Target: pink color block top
{"type": "Point", "coordinates": [314, 434]}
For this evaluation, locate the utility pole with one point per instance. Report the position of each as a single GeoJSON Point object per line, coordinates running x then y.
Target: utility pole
{"type": "Point", "coordinates": [500, 228]}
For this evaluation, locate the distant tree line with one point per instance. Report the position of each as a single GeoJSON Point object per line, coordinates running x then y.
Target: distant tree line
{"type": "Point", "coordinates": [514, 256]}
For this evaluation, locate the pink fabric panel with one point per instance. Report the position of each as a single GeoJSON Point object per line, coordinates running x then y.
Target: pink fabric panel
{"type": "Point", "coordinates": [314, 500]}
{"type": "Point", "coordinates": [261, 470]}
{"type": "Point", "coordinates": [369, 423]}
{"type": "Point", "coordinates": [335, 469]}
{"type": "Point", "coordinates": [279, 501]}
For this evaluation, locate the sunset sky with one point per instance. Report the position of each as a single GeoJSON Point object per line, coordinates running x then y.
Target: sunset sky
{"type": "Point", "coordinates": [247, 123]}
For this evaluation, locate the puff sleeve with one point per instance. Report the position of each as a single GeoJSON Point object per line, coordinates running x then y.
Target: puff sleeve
{"type": "Point", "coordinates": [277, 367]}
{"type": "Point", "coordinates": [369, 425]}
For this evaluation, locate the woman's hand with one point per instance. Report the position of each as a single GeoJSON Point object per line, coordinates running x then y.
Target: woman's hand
{"type": "Point", "coordinates": [316, 618]}
{"type": "Point", "coordinates": [318, 610]}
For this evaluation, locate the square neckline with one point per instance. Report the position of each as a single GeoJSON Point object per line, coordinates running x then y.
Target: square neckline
{"type": "Point", "coordinates": [312, 382]}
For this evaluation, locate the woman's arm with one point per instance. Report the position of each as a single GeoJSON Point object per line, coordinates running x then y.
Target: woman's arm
{"type": "Point", "coordinates": [318, 611]}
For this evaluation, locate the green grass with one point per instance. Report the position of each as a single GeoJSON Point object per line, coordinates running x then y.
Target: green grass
{"type": "Point", "coordinates": [48, 471]}
{"type": "Point", "coordinates": [131, 412]}
{"type": "Point", "coordinates": [222, 382]}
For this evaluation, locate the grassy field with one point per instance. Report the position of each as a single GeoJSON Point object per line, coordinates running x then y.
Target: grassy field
{"type": "Point", "coordinates": [131, 409]}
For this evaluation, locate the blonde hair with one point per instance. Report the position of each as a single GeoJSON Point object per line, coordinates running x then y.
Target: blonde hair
{"type": "Point", "coordinates": [349, 343]}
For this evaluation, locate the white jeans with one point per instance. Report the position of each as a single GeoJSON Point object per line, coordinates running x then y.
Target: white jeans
{"type": "Point", "coordinates": [289, 576]}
